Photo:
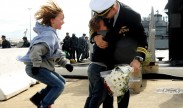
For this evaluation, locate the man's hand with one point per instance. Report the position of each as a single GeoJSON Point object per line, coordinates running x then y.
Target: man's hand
{"type": "Point", "coordinates": [136, 65]}
{"type": "Point", "coordinates": [100, 42]}
{"type": "Point", "coordinates": [69, 67]}
{"type": "Point", "coordinates": [35, 70]}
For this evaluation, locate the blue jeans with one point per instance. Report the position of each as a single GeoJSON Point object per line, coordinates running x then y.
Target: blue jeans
{"type": "Point", "coordinates": [97, 90]}
{"type": "Point", "coordinates": [55, 84]}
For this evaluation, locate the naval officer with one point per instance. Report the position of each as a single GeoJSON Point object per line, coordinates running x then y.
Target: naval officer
{"type": "Point", "coordinates": [130, 48]}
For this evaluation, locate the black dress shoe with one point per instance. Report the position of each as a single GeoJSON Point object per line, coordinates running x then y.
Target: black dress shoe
{"type": "Point", "coordinates": [79, 61]}
{"type": "Point", "coordinates": [36, 99]}
{"type": "Point", "coordinates": [44, 107]}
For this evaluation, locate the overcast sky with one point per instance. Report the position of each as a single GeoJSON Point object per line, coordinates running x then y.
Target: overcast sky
{"type": "Point", "coordinates": [15, 15]}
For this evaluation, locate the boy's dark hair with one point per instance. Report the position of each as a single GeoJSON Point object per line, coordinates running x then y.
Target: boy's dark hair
{"type": "Point", "coordinates": [94, 23]}
{"type": "Point", "coordinates": [3, 36]}
{"type": "Point", "coordinates": [24, 37]}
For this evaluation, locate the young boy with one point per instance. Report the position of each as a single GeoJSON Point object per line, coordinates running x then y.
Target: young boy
{"type": "Point", "coordinates": [101, 60]}
{"type": "Point", "coordinates": [100, 25]}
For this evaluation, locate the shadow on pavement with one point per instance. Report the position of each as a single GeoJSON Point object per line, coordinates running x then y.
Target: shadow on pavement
{"type": "Point", "coordinates": [160, 76]}
{"type": "Point", "coordinates": [174, 102]}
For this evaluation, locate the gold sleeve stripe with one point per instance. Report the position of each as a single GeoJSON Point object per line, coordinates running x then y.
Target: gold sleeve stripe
{"type": "Point", "coordinates": [141, 49]}
{"type": "Point", "coordinates": [142, 52]}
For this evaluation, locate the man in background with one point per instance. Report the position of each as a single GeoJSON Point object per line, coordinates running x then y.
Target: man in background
{"type": "Point", "coordinates": [86, 52]}
{"type": "Point", "coordinates": [66, 47]}
{"type": "Point", "coordinates": [5, 43]}
{"type": "Point", "coordinates": [74, 47]}
{"type": "Point", "coordinates": [26, 42]}
{"type": "Point", "coordinates": [81, 48]}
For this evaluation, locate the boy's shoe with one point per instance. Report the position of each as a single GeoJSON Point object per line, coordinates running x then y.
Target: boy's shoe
{"type": "Point", "coordinates": [36, 99]}
{"type": "Point", "coordinates": [44, 107]}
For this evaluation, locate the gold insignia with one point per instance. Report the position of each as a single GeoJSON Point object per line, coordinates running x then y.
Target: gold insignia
{"type": "Point", "coordinates": [124, 29]}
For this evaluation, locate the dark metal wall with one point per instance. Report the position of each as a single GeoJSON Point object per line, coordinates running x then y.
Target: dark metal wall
{"type": "Point", "coordinates": [175, 16]}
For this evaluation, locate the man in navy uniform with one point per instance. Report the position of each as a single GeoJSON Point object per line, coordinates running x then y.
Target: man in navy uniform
{"type": "Point", "coordinates": [130, 48]}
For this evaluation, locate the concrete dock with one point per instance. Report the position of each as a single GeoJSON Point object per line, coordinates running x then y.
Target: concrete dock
{"type": "Point", "coordinates": [154, 94]}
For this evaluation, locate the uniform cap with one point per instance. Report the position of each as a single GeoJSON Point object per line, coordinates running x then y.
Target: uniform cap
{"type": "Point", "coordinates": [101, 7]}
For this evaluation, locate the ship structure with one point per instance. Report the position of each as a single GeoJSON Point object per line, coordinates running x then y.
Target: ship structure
{"type": "Point", "coordinates": [161, 30]}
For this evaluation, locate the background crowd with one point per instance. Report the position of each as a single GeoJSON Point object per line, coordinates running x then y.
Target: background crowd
{"type": "Point", "coordinates": [76, 48]}
{"type": "Point", "coordinates": [7, 44]}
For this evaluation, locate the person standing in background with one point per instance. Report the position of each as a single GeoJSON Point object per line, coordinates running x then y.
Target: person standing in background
{"type": "Point", "coordinates": [66, 47]}
{"type": "Point", "coordinates": [26, 43]}
{"type": "Point", "coordinates": [81, 48]}
{"type": "Point", "coordinates": [74, 48]}
{"type": "Point", "coordinates": [5, 43]}
{"type": "Point", "coordinates": [86, 52]}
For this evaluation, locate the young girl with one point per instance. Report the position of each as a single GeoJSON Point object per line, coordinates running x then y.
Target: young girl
{"type": "Point", "coordinates": [44, 52]}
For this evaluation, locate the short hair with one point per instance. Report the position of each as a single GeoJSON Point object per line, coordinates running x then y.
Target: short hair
{"type": "Point", "coordinates": [24, 37]}
{"type": "Point", "coordinates": [94, 23]}
{"type": "Point", "coordinates": [3, 36]}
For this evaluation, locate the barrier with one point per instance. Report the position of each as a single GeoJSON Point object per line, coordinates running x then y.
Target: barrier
{"type": "Point", "coordinates": [79, 71]}
{"type": "Point", "coordinates": [13, 78]}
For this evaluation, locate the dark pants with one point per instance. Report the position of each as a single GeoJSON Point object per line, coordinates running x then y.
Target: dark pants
{"type": "Point", "coordinates": [98, 93]}
{"type": "Point", "coordinates": [80, 54]}
{"type": "Point", "coordinates": [108, 102]}
{"type": "Point", "coordinates": [124, 101]}
{"type": "Point", "coordinates": [73, 53]}
{"type": "Point", "coordinates": [97, 90]}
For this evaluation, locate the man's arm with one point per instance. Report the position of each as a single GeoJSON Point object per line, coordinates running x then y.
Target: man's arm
{"type": "Point", "coordinates": [141, 38]}
{"type": "Point", "coordinates": [142, 45]}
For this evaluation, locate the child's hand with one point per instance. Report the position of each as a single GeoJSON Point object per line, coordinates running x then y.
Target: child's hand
{"type": "Point", "coordinates": [69, 67]}
{"type": "Point", "coordinates": [35, 70]}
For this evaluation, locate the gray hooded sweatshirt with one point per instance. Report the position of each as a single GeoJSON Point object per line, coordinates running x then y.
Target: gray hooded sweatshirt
{"type": "Point", "coordinates": [45, 49]}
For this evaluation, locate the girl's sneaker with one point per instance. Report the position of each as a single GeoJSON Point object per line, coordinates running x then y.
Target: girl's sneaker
{"type": "Point", "coordinates": [36, 99]}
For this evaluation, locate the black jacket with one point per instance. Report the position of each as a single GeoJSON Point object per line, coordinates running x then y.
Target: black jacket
{"type": "Point", "coordinates": [6, 44]}
{"type": "Point", "coordinates": [132, 40]}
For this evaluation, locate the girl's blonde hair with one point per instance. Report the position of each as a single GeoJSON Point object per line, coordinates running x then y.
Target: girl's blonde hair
{"type": "Point", "coordinates": [47, 12]}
